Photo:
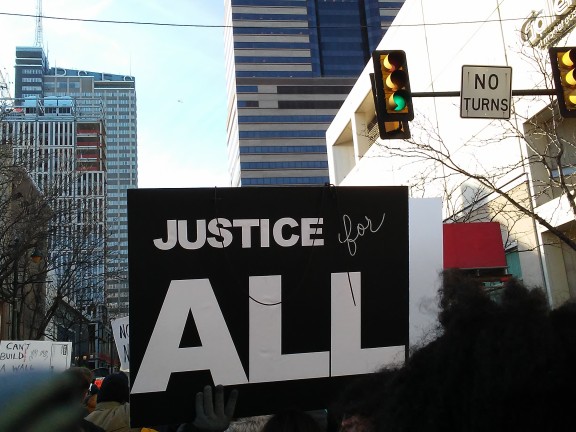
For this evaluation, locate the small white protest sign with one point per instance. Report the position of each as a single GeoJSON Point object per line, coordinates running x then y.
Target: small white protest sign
{"type": "Point", "coordinates": [32, 355]}
{"type": "Point", "coordinates": [121, 332]}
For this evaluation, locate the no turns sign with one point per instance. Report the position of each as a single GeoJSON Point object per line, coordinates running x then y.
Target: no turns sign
{"type": "Point", "coordinates": [486, 92]}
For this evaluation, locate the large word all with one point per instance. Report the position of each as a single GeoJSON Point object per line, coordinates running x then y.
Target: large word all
{"type": "Point", "coordinates": [218, 353]}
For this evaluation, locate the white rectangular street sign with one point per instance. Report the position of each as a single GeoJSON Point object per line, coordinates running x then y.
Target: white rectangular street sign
{"type": "Point", "coordinates": [486, 92]}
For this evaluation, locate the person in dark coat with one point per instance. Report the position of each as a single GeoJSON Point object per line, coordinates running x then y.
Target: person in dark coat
{"type": "Point", "coordinates": [112, 412]}
{"type": "Point", "coordinates": [82, 378]}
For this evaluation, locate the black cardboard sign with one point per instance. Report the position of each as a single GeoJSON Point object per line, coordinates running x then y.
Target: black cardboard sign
{"type": "Point", "coordinates": [282, 293]}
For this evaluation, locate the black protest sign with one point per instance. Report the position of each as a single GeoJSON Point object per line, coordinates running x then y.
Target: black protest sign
{"type": "Point", "coordinates": [282, 293]}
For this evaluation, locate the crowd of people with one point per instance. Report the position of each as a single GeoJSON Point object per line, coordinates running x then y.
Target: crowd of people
{"type": "Point", "coordinates": [500, 361]}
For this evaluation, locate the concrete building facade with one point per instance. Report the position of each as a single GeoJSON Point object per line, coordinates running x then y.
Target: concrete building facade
{"type": "Point", "coordinates": [34, 78]}
{"type": "Point", "coordinates": [61, 143]}
{"type": "Point", "coordinates": [290, 64]}
{"type": "Point", "coordinates": [485, 169]}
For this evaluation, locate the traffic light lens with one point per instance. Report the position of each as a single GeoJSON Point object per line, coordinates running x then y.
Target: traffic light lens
{"type": "Point", "coordinates": [396, 80]}
{"type": "Point", "coordinates": [399, 102]}
{"type": "Point", "coordinates": [393, 60]}
{"type": "Point", "coordinates": [570, 78]}
{"type": "Point", "coordinates": [568, 58]}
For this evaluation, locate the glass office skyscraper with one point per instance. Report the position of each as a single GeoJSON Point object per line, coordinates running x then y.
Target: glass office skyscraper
{"type": "Point", "coordinates": [290, 65]}
{"type": "Point", "coordinates": [34, 78]}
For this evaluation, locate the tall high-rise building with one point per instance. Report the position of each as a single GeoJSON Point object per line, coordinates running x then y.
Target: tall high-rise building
{"type": "Point", "coordinates": [34, 78]}
{"type": "Point", "coordinates": [290, 65]}
{"type": "Point", "coordinates": [61, 143]}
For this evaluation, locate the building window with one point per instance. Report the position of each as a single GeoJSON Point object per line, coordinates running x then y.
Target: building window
{"type": "Point", "coordinates": [283, 134]}
{"type": "Point", "coordinates": [513, 263]}
{"type": "Point", "coordinates": [286, 119]}
{"type": "Point", "coordinates": [285, 181]}
{"type": "Point", "coordinates": [248, 104]}
{"type": "Point", "coordinates": [285, 165]}
{"type": "Point", "coordinates": [282, 149]}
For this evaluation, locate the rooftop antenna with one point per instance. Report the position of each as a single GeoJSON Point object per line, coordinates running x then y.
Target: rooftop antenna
{"type": "Point", "coordinates": [38, 39]}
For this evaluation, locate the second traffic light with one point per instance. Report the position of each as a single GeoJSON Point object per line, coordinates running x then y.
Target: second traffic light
{"type": "Point", "coordinates": [563, 61]}
{"type": "Point", "coordinates": [392, 85]}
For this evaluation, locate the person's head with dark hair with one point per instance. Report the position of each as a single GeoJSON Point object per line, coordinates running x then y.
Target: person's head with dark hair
{"type": "Point", "coordinates": [82, 378]}
{"type": "Point", "coordinates": [496, 366]}
{"type": "Point", "coordinates": [363, 395]}
{"type": "Point", "coordinates": [291, 421]}
{"type": "Point", "coordinates": [114, 388]}
{"type": "Point", "coordinates": [563, 321]}
{"type": "Point", "coordinates": [248, 424]}
{"type": "Point", "coordinates": [355, 407]}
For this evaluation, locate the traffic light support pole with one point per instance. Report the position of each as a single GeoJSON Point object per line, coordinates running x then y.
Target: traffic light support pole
{"type": "Point", "coordinates": [529, 92]}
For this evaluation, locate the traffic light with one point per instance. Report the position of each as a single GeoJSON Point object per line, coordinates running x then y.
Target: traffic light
{"type": "Point", "coordinates": [392, 86]}
{"type": "Point", "coordinates": [563, 61]}
{"type": "Point", "coordinates": [388, 129]}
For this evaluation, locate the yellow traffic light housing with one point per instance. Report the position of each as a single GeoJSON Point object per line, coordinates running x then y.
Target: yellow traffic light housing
{"type": "Point", "coordinates": [392, 86]}
{"type": "Point", "coordinates": [388, 129]}
{"type": "Point", "coordinates": [563, 61]}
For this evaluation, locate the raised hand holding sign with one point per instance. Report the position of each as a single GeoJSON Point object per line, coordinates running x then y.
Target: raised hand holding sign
{"type": "Point", "coordinates": [214, 414]}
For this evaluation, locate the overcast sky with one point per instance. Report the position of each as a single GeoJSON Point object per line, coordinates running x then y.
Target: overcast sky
{"type": "Point", "coordinates": [180, 77]}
